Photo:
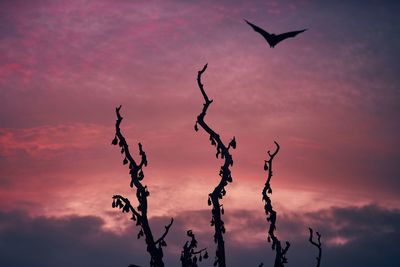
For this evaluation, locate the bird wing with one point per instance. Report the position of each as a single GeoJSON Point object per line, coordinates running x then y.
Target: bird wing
{"type": "Point", "coordinates": [283, 36]}
{"type": "Point", "coordinates": [264, 33]}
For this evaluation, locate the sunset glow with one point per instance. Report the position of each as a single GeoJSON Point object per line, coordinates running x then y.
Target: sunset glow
{"type": "Point", "coordinates": [330, 97]}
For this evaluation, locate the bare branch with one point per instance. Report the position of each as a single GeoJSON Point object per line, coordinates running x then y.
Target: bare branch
{"type": "Point", "coordinates": [225, 174]}
{"type": "Point", "coordinates": [139, 214]}
{"type": "Point", "coordinates": [201, 85]}
{"type": "Point", "coordinates": [126, 206]}
{"type": "Point", "coordinates": [318, 245]}
{"type": "Point", "coordinates": [189, 255]}
{"type": "Point", "coordinates": [199, 251]}
{"type": "Point", "coordinates": [280, 253]}
{"type": "Point", "coordinates": [166, 231]}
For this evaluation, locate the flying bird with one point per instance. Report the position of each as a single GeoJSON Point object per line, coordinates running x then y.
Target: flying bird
{"type": "Point", "coordinates": [271, 38]}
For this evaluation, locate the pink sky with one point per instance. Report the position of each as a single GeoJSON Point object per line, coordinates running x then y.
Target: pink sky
{"type": "Point", "coordinates": [330, 98]}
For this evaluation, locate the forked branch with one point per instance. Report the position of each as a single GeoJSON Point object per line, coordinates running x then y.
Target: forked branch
{"type": "Point", "coordinates": [318, 245]}
{"type": "Point", "coordinates": [189, 256]}
{"type": "Point", "coordinates": [161, 239]}
{"type": "Point", "coordinates": [139, 214]}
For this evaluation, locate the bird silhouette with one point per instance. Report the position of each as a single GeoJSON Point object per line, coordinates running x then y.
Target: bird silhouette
{"type": "Point", "coordinates": [271, 38]}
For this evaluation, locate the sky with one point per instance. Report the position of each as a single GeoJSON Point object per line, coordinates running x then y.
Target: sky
{"type": "Point", "coordinates": [330, 97]}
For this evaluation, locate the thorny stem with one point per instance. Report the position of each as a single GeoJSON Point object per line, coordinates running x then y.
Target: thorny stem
{"type": "Point", "coordinates": [225, 173]}
{"type": "Point", "coordinates": [140, 213]}
{"type": "Point", "coordinates": [318, 245]}
{"type": "Point", "coordinates": [280, 256]}
{"type": "Point", "coordinates": [188, 254]}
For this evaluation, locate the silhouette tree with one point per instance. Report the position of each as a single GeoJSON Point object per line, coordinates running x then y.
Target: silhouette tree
{"type": "Point", "coordinates": [225, 174]}
{"type": "Point", "coordinates": [280, 252]}
{"type": "Point", "coordinates": [189, 255]}
{"type": "Point", "coordinates": [139, 214]}
{"type": "Point", "coordinates": [318, 245]}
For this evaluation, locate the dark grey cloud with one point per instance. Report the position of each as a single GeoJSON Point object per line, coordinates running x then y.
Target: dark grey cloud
{"type": "Point", "coordinates": [373, 233]}
{"type": "Point", "coordinates": [70, 241]}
